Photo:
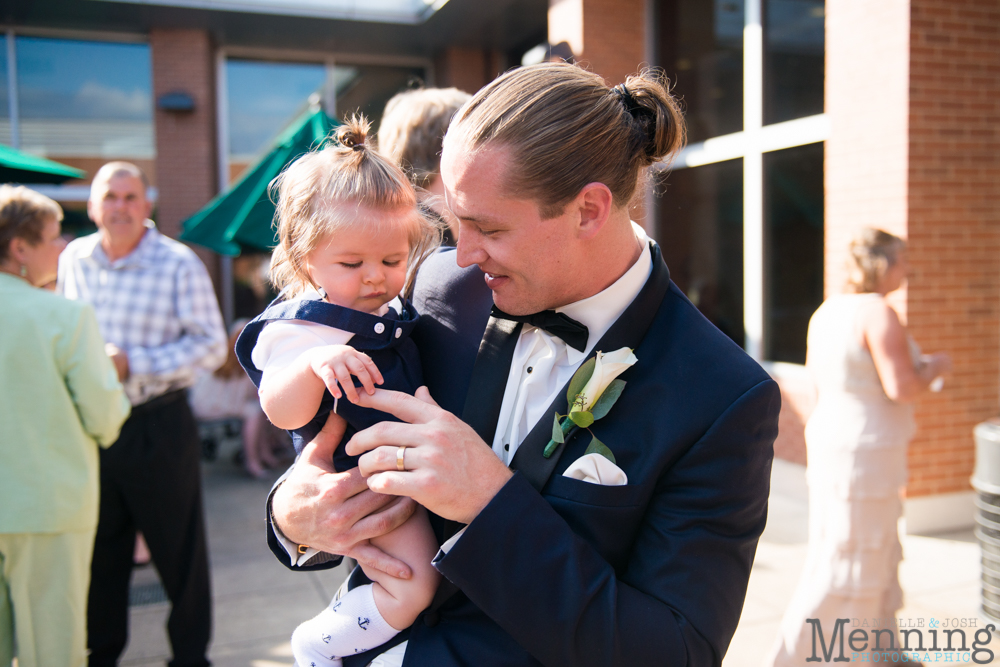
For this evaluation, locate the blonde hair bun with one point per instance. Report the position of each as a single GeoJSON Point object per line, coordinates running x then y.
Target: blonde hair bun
{"type": "Point", "coordinates": [353, 133]}
{"type": "Point", "coordinates": [657, 115]}
{"type": "Point", "coordinates": [565, 128]}
{"type": "Point", "coordinates": [873, 252]}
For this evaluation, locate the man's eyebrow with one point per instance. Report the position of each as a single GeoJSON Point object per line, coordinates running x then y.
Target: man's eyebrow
{"type": "Point", "coordinates": [476, 219]}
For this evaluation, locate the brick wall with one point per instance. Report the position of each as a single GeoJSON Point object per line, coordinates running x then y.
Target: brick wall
{"type": "Point", "coordinates": [867, 69]}
{"type": "Point", "coordinates": [954, 227]}
{"type": "Point", "coordinates": [466, 69]}
{"type": "Point", "coordinates": [607, 36]}
{"type": "Point", "coordinates": [912, 95]}
{"type": "Point", "coordinates": [798, 398]}
{"type": "Point", "coordinates": [186, 164]}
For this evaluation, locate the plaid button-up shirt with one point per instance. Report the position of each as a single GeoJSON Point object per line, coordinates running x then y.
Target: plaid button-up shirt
{"type": "Point", "coordinates": [156, 303]}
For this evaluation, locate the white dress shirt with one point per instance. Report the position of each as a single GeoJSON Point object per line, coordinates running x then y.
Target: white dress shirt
{"type": "Point", "coordinates": [543, 364]}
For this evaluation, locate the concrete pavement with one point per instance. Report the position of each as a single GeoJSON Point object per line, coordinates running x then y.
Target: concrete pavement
{"type": "Point", "coordinates": [258, 603]}
{"type": "Point", "coordinates": [940, 573]}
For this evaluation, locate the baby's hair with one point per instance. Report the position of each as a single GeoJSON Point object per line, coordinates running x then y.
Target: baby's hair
{"type": "Point", "coordinates": [319, 194]}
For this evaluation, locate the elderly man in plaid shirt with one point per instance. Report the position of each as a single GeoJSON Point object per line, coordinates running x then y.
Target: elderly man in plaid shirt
{"type": "Point", "coordinates": [160, 319]}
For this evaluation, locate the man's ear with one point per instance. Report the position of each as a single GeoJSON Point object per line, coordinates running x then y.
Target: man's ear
{"type": "Point", "coordinates": [594, 203]}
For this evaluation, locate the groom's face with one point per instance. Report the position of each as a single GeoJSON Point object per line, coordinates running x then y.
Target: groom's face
{"type": "Point", "coordinates": [528, 260]}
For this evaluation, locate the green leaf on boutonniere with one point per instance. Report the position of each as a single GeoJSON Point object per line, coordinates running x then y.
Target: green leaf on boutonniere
{"type": "Point", "coordinates": [608, 398]}
{"type": "Point", "coordinates": [582, 419]}
{"type": "Point", "coordinates": [580, 379]}
{"type": "Point", "coordinates": [598, 447]}
{"type": "Point", "coordinates": [557, 432]}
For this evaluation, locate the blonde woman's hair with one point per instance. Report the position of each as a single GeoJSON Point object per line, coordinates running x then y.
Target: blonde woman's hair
{"type": "Point", "coordinates": [413, 127]}
{"type": "Point", "coordinates": [319, 194]}
{"type": "Point", "coordinates": [873, 252]}
{"type": "Point", "coordinates": [23, 215]}
{"type": "Point", "coordinates": [566, 128]}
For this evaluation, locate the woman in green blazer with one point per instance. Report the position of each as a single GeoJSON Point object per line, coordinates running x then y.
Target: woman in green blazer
{"type": "Point", "coordinates": [59, 400]}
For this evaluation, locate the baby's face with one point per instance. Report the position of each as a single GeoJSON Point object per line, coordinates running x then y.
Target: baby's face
{"type": "Point", "coordinates": [360, 270]}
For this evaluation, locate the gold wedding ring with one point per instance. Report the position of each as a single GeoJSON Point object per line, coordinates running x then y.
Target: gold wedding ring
{"type": "Point", "coordinates": [400, 456]}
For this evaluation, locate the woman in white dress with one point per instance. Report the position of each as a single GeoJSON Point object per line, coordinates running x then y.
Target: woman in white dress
{"type": "Point", "coordinates": [867, 370]}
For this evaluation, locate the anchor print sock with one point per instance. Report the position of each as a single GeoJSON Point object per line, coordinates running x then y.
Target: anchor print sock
{"type": "Point", "coordinates": [349, 625]}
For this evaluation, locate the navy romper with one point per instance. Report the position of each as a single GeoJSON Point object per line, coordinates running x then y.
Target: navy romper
{"type": "Point", "coordinates": [385, 339]}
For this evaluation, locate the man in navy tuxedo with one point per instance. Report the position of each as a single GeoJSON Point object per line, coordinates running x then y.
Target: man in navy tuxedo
{"type": "Point", "coordinates": [543, 565]}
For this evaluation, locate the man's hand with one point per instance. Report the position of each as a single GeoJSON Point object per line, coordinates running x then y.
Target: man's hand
{"type": "Point", "coordinates": [119, 358]}
{"type": "Point", "coordinates": [336, 512]}
{"type": "Point", "coordinates": [449, 469]}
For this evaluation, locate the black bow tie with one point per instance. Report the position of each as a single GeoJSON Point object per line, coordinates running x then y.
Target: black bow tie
{"type": "Point", "coordinates": [569, 330]}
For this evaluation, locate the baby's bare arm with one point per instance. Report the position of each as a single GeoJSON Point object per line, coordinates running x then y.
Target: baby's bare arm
{"type": "Point", "coordinates": [291, 396]}
{"type": "Point", "coordinates": [401, 600]}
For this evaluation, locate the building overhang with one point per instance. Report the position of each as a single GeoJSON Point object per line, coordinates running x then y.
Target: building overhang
{"type": "Point", "coordinates": [506, 26]}
{"type": "Point", "coordinates": [380, 11]}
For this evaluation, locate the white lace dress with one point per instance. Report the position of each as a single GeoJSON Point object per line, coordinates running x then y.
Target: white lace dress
{"type": "Point", "coordinates": [856, 442]}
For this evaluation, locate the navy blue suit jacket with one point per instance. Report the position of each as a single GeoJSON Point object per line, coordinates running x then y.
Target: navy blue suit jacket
{"type": "Point", "coordinates": [557, 571]}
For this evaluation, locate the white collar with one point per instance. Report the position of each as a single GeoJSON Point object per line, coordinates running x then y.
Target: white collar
{"type": "Point", "coordinates": [600, 311]}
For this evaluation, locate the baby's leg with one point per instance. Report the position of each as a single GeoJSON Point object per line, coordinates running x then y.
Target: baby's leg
{"type": "Point", "coordinates": [401, 600]}
{"type": "Point", "coordinates": [371, 615]}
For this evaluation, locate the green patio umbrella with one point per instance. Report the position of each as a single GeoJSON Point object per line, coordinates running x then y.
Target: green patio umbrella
{"type": "Point", "coordinates": [20, 167]}
{"type": "Point", "coordinates": [241, 216]}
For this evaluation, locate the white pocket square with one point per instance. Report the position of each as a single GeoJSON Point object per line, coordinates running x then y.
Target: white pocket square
{"type": "Point", "coordinates": [596, 469]}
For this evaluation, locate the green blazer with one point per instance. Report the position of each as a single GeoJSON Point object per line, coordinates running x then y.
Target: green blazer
{"type": "Point", "coordinates": [59, 399]}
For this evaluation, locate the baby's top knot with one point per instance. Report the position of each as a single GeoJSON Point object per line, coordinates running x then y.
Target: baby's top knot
{"type": "Point", "coordinates": [353, 135]}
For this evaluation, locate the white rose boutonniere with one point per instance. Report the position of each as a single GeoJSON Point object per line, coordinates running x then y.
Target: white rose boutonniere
{"type": "Point", "coordinates": [592, 391]}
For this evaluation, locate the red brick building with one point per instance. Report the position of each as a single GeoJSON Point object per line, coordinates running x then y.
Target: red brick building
{"type": "Point", "coordinates": [809, 120]}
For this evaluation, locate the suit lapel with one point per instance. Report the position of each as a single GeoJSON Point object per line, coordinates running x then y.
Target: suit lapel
{"type": "Point", "coordinates": [482, 408]}
{"type": "Point", "coordinates": [627, 331]}
{"type": "Point", "coordinates": [489, 377]}
{"type": "Point", "coordinates": [486, 387]}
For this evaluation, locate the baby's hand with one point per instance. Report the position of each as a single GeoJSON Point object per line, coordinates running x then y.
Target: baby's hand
{"type": "Point", "coordinates": [335, 364]}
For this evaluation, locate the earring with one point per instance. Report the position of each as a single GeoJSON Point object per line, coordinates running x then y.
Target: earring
{"type": "Point", "coordinates": [24, 271]}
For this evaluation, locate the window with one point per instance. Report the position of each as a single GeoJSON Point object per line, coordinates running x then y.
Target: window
{"type": "Point", "coordinates": [793, 59]}
{"type": "Point", "coordinates": [81, 101]}
{"type": "Point", "coordinates": [5, 136]}
{"type": "Point", "coordinates": [793, 206]}
{"type": "Point", "coordinates": [704, 58]}
{"type": "Point", "coordinates": [768, 54]}
{"type": "Point", "coordinates": [701, 235]}
{"type": "Point", "coordinates": [263, 97]}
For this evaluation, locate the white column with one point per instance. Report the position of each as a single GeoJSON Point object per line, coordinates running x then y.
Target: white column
{"type": "Point", "coordinates": [222, 146]}
{"type": "Point", "coordinates": [329, 92]}
{"type": "Point", "coordinates": [753, 181]}
{"type": "Point", "coordinates": [13, 113]}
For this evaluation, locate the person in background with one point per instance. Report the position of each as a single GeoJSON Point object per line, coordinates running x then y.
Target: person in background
{"type": "Point", "coordinates": [228, 392]}
{"type": "Point", "coordinates": [867, 372]}
{"type": "Point", "coordinates": [60, 400]}
{"type": "Point", "coordinates": [158, 313]}
{"type": "Point", "coordinates": [411, 134]}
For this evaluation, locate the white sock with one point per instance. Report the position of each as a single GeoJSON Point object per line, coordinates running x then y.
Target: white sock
{"type": "Point", "coordinates": [349, 625]}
